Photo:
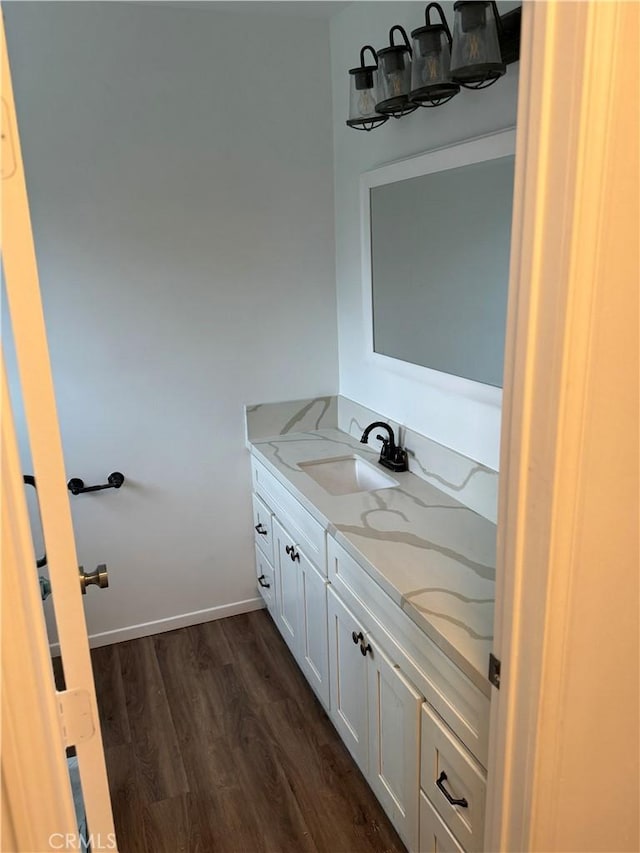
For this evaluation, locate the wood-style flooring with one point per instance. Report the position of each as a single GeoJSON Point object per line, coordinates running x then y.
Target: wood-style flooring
{"type": "Point", "coordinates": [215, 743]}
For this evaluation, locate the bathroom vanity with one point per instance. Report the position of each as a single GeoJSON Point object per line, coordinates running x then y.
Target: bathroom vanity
{"type": "Point", "coordinates": [382, 586]}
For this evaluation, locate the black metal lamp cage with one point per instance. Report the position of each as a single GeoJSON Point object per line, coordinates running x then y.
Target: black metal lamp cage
{"type": "Point", "coordinates": [363, 94]}
{"type": "Point", "coordinates": [394, 77]}
{"type": "Point", "coordinates": [431, 83]}
{"type": "Point", "coordinates": [431, 74]}
{"type": "Point", "coordinates": [476, 60]}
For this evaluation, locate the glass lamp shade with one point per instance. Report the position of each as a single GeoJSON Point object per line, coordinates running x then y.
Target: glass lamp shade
{"type": "Point", "coordinates": [394, 78]}
{"type": "Point", "coordinates": [431, 83]}
{"type": "Point", "coordinates": [476, 61]}
{"type": "Point", "coordinates": [362, 99]}
{"type": "Point", "coordinates": [363, 95]}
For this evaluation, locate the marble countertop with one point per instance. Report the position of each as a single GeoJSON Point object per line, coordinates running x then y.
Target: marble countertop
{"type": "Point", "coordinates": [433, 556]}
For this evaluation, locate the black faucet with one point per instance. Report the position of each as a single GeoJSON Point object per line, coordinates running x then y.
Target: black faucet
{"type": "Point", "coordinates": [392, 457]}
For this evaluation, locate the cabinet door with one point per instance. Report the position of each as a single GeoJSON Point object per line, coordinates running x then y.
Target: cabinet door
{"type": "Point", "coordinates": [394, 742]}
{"type": "Point", "coordinates": [287, 572]}
{"type": "Point", "coordinates": [314, 649]}
{"type": "Point", "coordinates": [348, 680]}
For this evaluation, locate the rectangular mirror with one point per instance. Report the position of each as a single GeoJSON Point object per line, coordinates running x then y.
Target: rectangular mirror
{"type": "Point", "coordinates": [436, 240]}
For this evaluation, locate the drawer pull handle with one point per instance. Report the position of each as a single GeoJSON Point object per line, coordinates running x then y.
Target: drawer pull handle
{"type": "Point", "coordinates": [291, 551]}
{"type": "Point", "coordinates": [364, 649]}
{"type": "Point", "coordinates": [263, 582]}
{"type": "Point", "coordinates": [261, 529]}
{"type": "Point", "coordinates": [356, 637]}
{"type": "Point", "coordinates": [442, 778]}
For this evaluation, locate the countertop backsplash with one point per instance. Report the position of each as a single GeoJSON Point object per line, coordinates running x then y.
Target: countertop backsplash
{"type": "Point", "coordinates": [470, 483]}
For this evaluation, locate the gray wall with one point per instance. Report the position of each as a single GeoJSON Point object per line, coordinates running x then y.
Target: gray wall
{"type": "Point", "coordinates": [470, 427]}
{"type": "Point", "coordinates": [180, 182]}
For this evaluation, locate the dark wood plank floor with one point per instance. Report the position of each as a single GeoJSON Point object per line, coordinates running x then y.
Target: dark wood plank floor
{"type": "Point", "coordinates": [215, 743]}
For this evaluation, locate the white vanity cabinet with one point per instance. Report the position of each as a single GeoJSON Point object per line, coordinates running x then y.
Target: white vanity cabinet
{"type": "Point", "coordinates": [376, 710]}
{"type": "Point", "coordinates": [300, 582]}
{"type": "Point", "coordinates": [414, 722]}
{"type": "Point", "coordinates": [404, 668]}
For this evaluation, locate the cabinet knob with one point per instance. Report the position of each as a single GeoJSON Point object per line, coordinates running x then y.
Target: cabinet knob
{"type": "Point", "coordinates": [263, 582]}
{"type": "Point", "coordinates": [291, 551]}
{"type": "Point", "coordinates": [364, 649]}
{"type": "Point", "coordinates": [357, 637]}
{"type": "Point", "coordinates": [260, 529]}
{"type": "Point", "coordinates": [442, 778]}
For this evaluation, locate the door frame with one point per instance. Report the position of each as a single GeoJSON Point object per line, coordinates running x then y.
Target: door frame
{"type": "Point", "coordinates": [578, 71]}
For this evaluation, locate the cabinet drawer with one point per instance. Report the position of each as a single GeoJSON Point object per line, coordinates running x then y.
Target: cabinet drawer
{"type": "Point", "coordinates": [458, 701]}
{"type": "Point", "coordinates": [446, 763]}
{"type": "Point", "coordinates": [301, 525]}
{"type": "Point", "coordinates": [266, 580]}
{"type": "Point", "coordinates": [435, 837]}
{"type": "Point", "coordinates": [262, 527]}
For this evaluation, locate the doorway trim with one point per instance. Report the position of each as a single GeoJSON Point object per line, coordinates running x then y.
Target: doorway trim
{"type": "Point", "coordinates": [574, 59]}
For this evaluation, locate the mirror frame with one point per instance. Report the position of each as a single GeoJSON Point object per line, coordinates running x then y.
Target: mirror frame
{"type": "Point", "coordinates": [490, 147]}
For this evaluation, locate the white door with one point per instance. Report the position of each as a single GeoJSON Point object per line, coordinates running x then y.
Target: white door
{"type": "Point", "coordinates": [33, 709]}
{"type": "Point", "coordinates": [286, 586]}
{"type": "Point", "coordinates": [348, 679]}
{"type": "Point", "coordinates": [314, 649]}
{"type": "Point", "coordinates": [394, 742]}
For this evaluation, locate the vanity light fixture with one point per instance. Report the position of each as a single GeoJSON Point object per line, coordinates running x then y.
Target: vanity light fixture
{"type": "Point", "coordinates": [394, 77]}
{"type": "Point", "coordinates": [363, 94]}
{"type": "Point", "coordinates": [475, 57]}
{"type": "Point", "coordinates": [431, 83]}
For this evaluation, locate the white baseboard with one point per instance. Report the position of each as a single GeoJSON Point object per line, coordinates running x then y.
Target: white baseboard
{"type": "Point", "coordinates": [146, 629]}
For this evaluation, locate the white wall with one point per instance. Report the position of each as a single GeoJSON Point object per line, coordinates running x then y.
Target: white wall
{"type": "Point", "coordinates": [472, 428]}
{"type": "Point", "coordinates": [179, 168]}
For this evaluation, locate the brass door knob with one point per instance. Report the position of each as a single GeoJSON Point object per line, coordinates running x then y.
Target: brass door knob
{"type": "Point", "coordinates": [99, 577]}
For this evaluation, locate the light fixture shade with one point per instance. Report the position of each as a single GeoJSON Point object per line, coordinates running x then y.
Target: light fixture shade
{"type": "Point", "coordinates": [394, 77]}
{"type": "Point", "coordinates": [476, 61]}
{"type": "Point", "coordinates": [363, 94]}
{"type": "Point", "coordinates": [431, 83]}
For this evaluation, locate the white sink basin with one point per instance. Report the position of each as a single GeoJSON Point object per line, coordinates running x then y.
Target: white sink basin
{"type": "Point", "coordinates": [347, 475]}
